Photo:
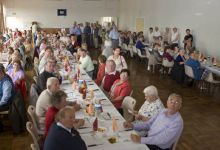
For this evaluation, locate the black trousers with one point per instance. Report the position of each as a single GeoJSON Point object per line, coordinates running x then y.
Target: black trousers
{"type": "Point", "coordinates": [154, 147]}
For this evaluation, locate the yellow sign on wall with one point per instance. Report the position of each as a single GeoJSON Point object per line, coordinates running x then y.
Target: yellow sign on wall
{"type": "Point", "coordinates": [139, 24]}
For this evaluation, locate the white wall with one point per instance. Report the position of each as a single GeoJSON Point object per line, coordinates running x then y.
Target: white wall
{"type": "Point", "coordinates": [202, 16]}
{"type": "Point", "coordinates": [45, 11]}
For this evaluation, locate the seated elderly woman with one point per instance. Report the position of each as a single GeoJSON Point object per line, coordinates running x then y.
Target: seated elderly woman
{"type": "Point", "coordinates": [16, 73]}
{"type": "Point", "coordinates": [151, 106]}
{"type": "Point", "coordinates": [140, 45]}
{"type": "Point", "coordinates": [195, 64]}
{"type": "Point", "coordinates": [167, 61]}
{"type": "Point", "coordinates": [119, 60]}
{"type": "Point", "coordinates": [101, 71]}
{"type": "Point", "coordinates": [163, 129]}
{"type": "Point", "coordinates": [154, 56]}
{"type": "Point", "coordinates": [178, 71]}
{"type": "Point", "coordinates": [120, 89]}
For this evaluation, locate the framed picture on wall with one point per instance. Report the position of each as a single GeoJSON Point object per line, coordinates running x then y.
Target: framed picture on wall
{"type": "Point", "coordinates": [61, 12]}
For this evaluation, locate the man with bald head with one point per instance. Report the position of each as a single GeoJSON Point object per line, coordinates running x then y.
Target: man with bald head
{"type": "Point", "coordinates": [62, 134]}
{"type": "Point", "coordinates": [163, 129]}
{"type": "Point", "coordinates": [111, 75]}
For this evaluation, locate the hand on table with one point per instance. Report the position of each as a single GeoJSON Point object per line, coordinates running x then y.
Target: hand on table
{"type": "Point", "coordinates": [135, 138]}
{"type": "Point", "coordinates": [78, 123]}
{"type": "Point", "coordinates": [76, 106]}
{"type": "Point", "coordinates": [127, 125]}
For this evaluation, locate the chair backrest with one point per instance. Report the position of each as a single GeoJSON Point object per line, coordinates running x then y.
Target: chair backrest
{"type": "Point", "coordinates": [33, 147]}
{"type": "Point", "coordinates": [33, 117]}
{"type": "Point", "coordinates": [138, 52]}
{"type": "Point", "coordinates": [33, 95]}
{"type": "Point", "coordinates": [189, 71]}
{"type": "Point", "coordinates": [134, 49]}
{"type": "Point", "coordinates": [128, 104]}
{"type": "Point", "coordinates": [36, 138]}
{"type": "Point", "coordinates": [175, 143]}
{"type": "Point", "coordinates": [125, 46]}
{"type": "Point", "coordinates": [209, 77]}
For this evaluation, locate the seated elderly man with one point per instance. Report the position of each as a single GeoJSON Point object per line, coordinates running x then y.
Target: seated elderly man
{"type": "Point", "coordinates": [63, 135]}
{"type": "Point", "coordinates": [58, 101]}
{"type": "Point", "coordinates": [44, 100]}
{"type": "Point", "coordinates": [7, 91]}
{"type": "Point", "coordinates": [111, 75]}
{"type": "Point", "coordinates": [86, 63]}
{"type": "Point", "coordinates": [151, 106]}
{"type": "Point", "coordinates": [47, 73]}
{"type": "Point", "coordinates": [163, 129]}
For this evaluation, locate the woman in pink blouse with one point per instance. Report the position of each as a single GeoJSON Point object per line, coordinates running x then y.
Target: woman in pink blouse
{"type": "Point", "coordinates": [16, 73]}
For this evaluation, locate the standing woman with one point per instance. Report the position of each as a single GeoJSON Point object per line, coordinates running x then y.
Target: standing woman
{"type": "Point", "coordinates": [118, 59]}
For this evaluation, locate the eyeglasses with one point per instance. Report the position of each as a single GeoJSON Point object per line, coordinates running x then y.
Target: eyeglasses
{"type": "Point", "coordinates": [174, 102]}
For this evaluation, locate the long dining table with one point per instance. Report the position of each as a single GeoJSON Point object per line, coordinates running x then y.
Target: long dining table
{"type": "Point", "coordinates": [97, 140]}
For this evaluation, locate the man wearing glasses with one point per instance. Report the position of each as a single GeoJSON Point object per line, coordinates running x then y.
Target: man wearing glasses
{"type": "Point", "coordinates": [163, 129]}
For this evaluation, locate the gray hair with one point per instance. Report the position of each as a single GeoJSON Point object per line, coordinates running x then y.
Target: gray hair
{"type": "Point", "coordinates": [57, 97]}
{"type": "Point", "coordinates": [50, 81]}
{"type": "Point", "coordinates": [151, 91]}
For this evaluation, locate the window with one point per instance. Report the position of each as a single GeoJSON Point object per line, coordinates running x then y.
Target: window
{"type": "Point", "coordinates": [13, 22]}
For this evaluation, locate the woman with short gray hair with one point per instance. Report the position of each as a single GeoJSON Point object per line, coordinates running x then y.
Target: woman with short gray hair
{"type": "Point", "coordinates": [151, 106]}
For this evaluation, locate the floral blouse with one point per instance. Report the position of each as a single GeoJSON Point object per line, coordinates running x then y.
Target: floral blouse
{"type": "Point", "coordinates": [149, 109]}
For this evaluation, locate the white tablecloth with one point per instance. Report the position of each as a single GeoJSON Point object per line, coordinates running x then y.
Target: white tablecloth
{"type": "Point", "coordinates": [100, 140]}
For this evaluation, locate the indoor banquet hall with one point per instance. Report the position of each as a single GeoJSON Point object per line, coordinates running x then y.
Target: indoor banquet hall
{"type": "Point", "coordinates": [109, 75]}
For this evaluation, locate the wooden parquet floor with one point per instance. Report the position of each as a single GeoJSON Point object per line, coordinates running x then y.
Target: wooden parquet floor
{"type": "Point", "coordinates": [200, 112]}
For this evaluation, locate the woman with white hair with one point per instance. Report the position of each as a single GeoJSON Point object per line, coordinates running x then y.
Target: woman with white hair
{"type": "Point", "coordinates": [107, 51]}
{"type": "Point", "coordinates": [151, 106]}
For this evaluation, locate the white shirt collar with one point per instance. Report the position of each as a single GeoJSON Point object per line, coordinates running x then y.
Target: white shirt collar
{"type": "Point", "coordinates": [62, 126]}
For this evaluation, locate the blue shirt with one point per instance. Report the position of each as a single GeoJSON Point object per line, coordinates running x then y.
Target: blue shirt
{"type": "Point", "coordinates": [87, 30]}
{"type": "Point", "coordinates": [6, 90]}
{"type": "Point", "coordinates": [140, 45]}
{"type": "Point", "coordinates": [163, 130]}
{"type": "Point", "coordinates": [77, 31]}
{"type": "Point", "coordinates": [114, 34]}
{"type": "Point", "coordinates": [195, 65]}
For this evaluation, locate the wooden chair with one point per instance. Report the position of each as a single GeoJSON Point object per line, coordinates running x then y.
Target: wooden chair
{"type": "Point", "coordinates": [34, 120]}
{"type": "Point", "coordinates": [128, 105]}
{"type": "Point", "coordinates": [33, 132]}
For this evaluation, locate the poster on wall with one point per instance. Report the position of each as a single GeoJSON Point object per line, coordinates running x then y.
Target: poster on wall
{"type": "Point", "coordinates": [139, 24]}
{"type": "Point", "coordinates": [61, 12]}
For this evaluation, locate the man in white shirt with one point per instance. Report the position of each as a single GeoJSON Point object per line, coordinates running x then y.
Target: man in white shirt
{"type": "Point", "coordinates": [86, 63]}
{"type": "Point", "coordinates": [157, 33]}
{"type": "Point", "coordinates": [150, 35]}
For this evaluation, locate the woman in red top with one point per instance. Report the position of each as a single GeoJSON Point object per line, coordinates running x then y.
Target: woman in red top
{"type": "Point", "coordinates": [101, 71]}
{"type": "Point", "coordinates": [120, 89]}
{"type": "Point", "coordinates": [58, 101]}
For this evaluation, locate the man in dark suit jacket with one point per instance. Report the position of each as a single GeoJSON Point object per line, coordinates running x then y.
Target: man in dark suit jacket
{"type": "Point", "coordinates": [62, 135]}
